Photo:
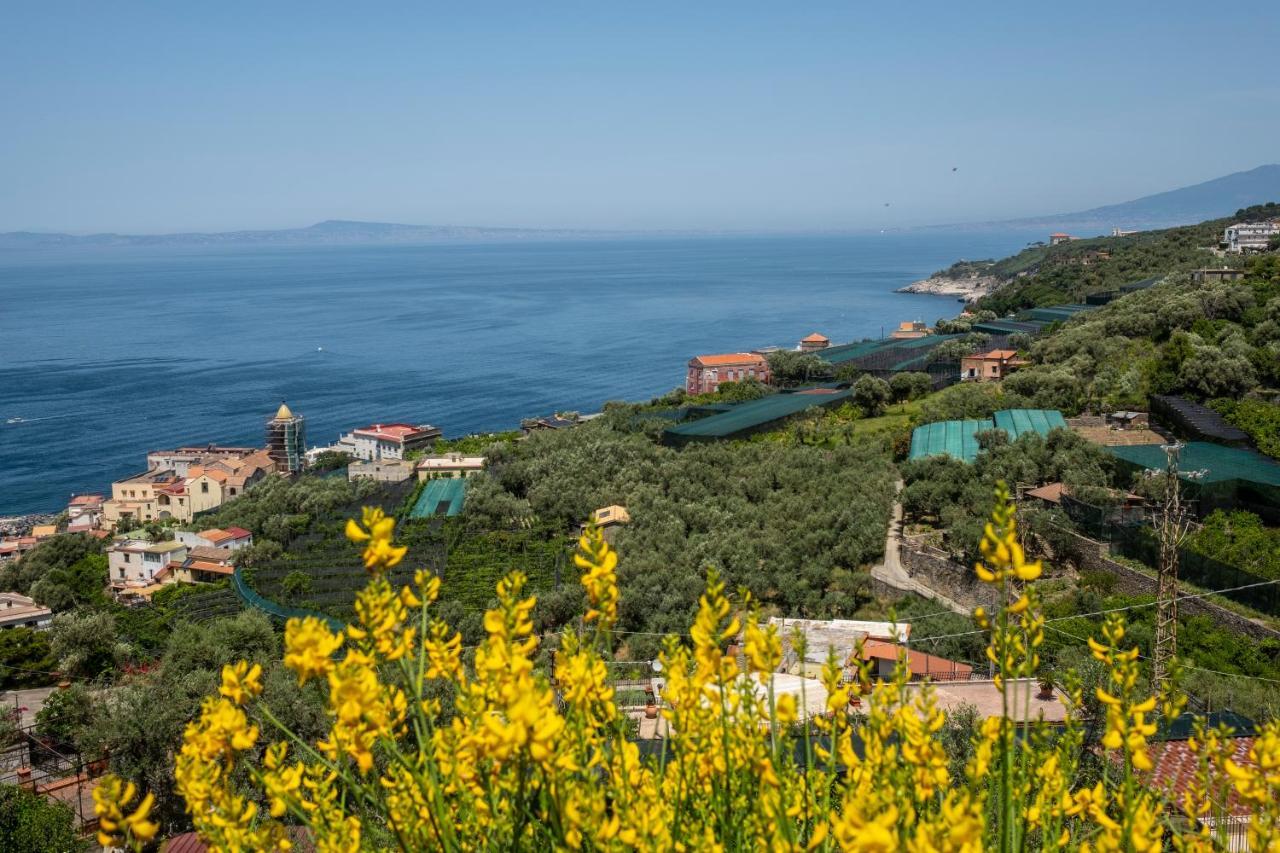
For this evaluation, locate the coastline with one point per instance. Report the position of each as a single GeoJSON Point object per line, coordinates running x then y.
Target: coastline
{"type": "Point", "coordinates": [967, 289]}
{"type": "Point", "coordinates": [422, 301]}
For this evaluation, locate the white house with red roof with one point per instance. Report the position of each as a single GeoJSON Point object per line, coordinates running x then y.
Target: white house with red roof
{"type": "Point", "coordinates": [230, 539]}
{"type": "Point", "coordinates": [84, 513]}
{"type": "Point", "coordinates": [389, 441]}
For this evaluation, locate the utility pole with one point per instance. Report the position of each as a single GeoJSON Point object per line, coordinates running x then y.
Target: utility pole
{"type": "Point", "coordinates": [1170, 524]}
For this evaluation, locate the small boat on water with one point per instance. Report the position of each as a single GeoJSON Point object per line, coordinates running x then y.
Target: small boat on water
{"type": "Point", "coordinates": [15, 420]}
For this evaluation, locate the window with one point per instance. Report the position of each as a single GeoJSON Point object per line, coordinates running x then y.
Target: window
{"type": "Point", "coordinates": [128, 559]}
{"type": "Point", "coordinates": [204, 487]}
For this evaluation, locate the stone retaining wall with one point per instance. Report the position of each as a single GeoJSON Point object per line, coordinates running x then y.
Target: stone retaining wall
{"type": "Point", "coordinates": [953, 580]}
{"type": "Point", "coordinates": [960, 584]}
{"type": "Point", "coordinates": [1095, 557]}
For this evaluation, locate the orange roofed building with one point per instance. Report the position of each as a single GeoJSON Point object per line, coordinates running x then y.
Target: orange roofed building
{"type": "Point", "coordinates": [919, 664]}
{"type": "Point", "coordinates": [990, 366]}
{"type": "Point", "coordinates": [910, 330]}
{"type": "Point", "coordinates": [706, 372]}
{"type": "Point", "coordinates": [814, 342]}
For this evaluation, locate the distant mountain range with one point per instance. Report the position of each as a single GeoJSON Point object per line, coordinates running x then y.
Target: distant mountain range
{"type": "Point", "coordinates": [1210, 200]}
{"type": "Point", "coordinates": [329, 232]}
{"type": "Point", "coordinates": [1213, 199]}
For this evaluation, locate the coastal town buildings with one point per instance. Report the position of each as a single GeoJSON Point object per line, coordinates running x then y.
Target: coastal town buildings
{"type": "Point", "coordinates": [449, 465]}
{"type": "Point", "coordinates": [84, 513]}
{"type": "Point", "coordinates": [1059, 237]}
{"type": "Point", "coordinates": [910, 330]}
{"type": "Point", "coordinates": [990, 366]}
{"type": "Point", "coordinates": [133, 560]}
{"type": "Point", "coordinates": [197, 484]}
{"type": "Point", "coordinates": [1250, 236]}
{"type": "Point", "coordinates": [44, 531]}
{"type": "Point", "coordinates": [180, 459]}
{"type": "Point", "coordinates": [920, 665]}
{"type": "Point", "coordinates": [382, 470]}
{"type": "Point", "coordinates": [391, 441]}
{"type": "Point", "coordinates": [230, 539]}
{"type": "Point", "coordinates": [287, 440]}
{"type": "Point", "coordinates": [814, 342]}
{"type": "Point", "coordinates": [200, 564]}
{"type": "Point", "coordinates": [382, 441]}
{"type": "Point", "coordinates": [19, 611]}
{"type": "Point", "coordinates": [13, 547]}
{"type": "Point", "coordinates": [707, 372]}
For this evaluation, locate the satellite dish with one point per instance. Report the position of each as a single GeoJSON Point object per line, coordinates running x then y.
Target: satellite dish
{"type": "Point", "coordinates": [657, 665]}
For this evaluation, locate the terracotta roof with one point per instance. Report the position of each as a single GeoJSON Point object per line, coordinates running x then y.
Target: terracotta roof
{"type": "Point", "coordinates": [815, 338]}
{"type": "Point", "coordinates": [214, 474]}
{"type": "Point", "coordinates": [1000, 354]}
{"type": "Point", "coordinates": [1052, 492]}
{"type": "Point", "coordinates": [398, 432]}
{"type": "Point", "coordinates": [208, 566]}
{"type": "Point", "coordinates": [14, 606]}
{"type": "Point", "coordinates": [214, 535]}
{"type": "Point", "coordinates": [239, 532]}
{"type": "Point", "coordinates": [204, 552]}
{"type": "Point", "coordinates": [85, 500]}
{"type": "Point", "coordinates": [723, 359]}
{"type": "Point", "coordinates": [1174, 769]}
{"type": "Point", "coordinates": [918, 663]}
{"type": "Point", "coordinates": [42, 531]}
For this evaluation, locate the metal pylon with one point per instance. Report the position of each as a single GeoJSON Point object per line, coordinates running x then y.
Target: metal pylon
{"type": "Point", "coordinates": [1171, 528]}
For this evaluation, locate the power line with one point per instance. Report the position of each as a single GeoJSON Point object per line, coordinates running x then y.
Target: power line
{"type": "Point", "coordinates": [1115, 609]}
{"type": "Point", "coordinates": [1186, 665]}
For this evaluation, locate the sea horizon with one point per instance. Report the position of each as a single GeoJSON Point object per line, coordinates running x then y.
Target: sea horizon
{"type": "Point", "coordinates": [122, 350]}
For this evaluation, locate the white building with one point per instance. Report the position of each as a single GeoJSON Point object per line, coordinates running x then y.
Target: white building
{"type": "Point", "coordinates": [231, 539]}
{"type": "Point", "coordinates": [133, 560]}
{"type": "Point", "coordinates": [449, 465]}
{"type": "Point", "coordinates": [18, 611]}
{"type": "Point", "coordinates": [382, 441]}
{"type": "Point", "coordinates": [1250, 236]}
{"type": "Point", "coordinates": [84, 513]}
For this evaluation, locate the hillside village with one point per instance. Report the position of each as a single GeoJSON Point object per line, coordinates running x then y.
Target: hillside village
{"type": "Point", "coordinates": [844, 485]}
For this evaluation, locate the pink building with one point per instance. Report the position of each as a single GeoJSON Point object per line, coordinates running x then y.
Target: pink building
{"type": "Point", "coordinates": [706, 372]}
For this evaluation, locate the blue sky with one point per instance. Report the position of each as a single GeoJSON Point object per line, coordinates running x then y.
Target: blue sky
{"type": "Point", "coordinates": [168, 116]}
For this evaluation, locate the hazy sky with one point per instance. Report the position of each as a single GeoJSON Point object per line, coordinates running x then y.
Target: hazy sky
{"type": "Point", "coordinates": [172, 116]}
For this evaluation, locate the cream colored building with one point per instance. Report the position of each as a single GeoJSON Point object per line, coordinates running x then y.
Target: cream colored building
{"type": "Point", "coordinates": [134, 561]}
{"type": "Point", "coordinates": [206, 483]}
{"type": "Point", "coordinates": [382, 470]}
{"type": "Point", "coordinates": [449, 465]}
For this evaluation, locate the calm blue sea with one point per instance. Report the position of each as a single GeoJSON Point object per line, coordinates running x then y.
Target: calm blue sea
{"type": "Point", "coordinates": [107, 353]}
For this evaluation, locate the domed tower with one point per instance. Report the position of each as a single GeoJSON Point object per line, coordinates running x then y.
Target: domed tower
{"type": "Point", "coordinates": [287, 440]}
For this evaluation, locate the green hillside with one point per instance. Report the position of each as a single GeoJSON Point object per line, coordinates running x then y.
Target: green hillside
{"type": "Point", "coordinates": [1068, 272]}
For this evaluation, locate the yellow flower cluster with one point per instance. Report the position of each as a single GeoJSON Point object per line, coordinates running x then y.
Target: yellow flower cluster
{"type": "Point", "coordinates": [432, 748]}
{"type": "Point", "coordinates": [116, 826]}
